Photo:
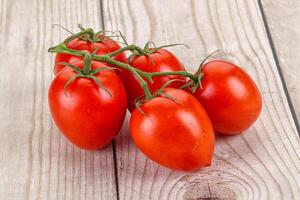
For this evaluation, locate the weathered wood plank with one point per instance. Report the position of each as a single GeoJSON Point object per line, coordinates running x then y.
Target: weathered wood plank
{"type": "Point", "coordinates": [36, 162]}
{"type": "Point", "coordinates": [283, 19]}
{"type": "Point", "coordinates": [263, 163]}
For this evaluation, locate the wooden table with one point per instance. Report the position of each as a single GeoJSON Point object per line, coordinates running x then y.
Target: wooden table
{"type": "Point", "coordinates": [36, 162]}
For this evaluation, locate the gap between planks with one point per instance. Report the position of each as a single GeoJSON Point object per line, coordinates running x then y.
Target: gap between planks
{"type": "Point", "coordinates": [275, 56]}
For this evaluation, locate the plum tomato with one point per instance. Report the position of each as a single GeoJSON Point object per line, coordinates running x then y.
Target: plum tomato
{"type": "Point", "coordinates": [85, 113]}
{"type": "Point", "coordinates": [229, 96]}
{"type": "Point", "coordinates": [175, 133]}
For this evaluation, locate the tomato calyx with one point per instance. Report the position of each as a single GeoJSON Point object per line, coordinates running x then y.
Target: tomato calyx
{"type": "Point", "coordinates": [85, 34]}
{"type": "Point", "coordinates": [88, 34]}
{"type": "Point", "coordinates": [192, 85]}
{"type": "Point", "coordinates": [147, 50]}
{"type": "Point", "coordinates": [150, 50]}
{"type": "Point", "coordinates": [159, 93]}
{"type": "Point", "coordinates": [86, 72]}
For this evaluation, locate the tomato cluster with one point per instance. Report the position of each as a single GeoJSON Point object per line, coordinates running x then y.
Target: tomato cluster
{"type": "Point", "coordinates": [175, 114]}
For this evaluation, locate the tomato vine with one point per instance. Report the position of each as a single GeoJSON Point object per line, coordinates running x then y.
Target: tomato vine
{"type": "Point", "coordinates": [89, 35]}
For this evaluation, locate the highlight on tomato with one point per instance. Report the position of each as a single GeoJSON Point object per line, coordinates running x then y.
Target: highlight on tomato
{"type": "Point", "coordinates": [174, 130]}
{"type": "Point", "coordinates": [88, 103]}
{"type": "Point", "coordinates": [229, 96]}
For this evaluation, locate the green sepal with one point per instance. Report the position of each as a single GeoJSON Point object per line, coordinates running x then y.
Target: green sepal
{"type": "Point", "coordinates": [168, 97]}
{"type": "Point", "coordinates": [76, 69]}
{"type": "Point", "coordinates": [160, 90]}
{"type": "Point", "coordinates": [68, 83]}
{"type": "Point", "coordinates": [95, 71]}
{"type": "Point", "coordinates": [166, 46]}
{"type": "Point", "coordinates": [99, 84]}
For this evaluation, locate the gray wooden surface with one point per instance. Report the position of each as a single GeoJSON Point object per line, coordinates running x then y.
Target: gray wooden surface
{"type": "Point", "coordinates": [36, 161]}
{"type": "Point", "coordinates": [283, 20]}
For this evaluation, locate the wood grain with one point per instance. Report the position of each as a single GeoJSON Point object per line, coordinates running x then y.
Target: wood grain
{"type": "Point", "coordinates": [285, 30]}
{"type": "Point", "coordinates": [36, 162]}
{"type": "Point", "coordinates": [263, 163]}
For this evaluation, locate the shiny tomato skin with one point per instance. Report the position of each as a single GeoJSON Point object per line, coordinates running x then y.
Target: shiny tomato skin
{"type": "Point", "coordinates": [88, 116]}
{"type": "Point", "coordinates": [230, 97]}
{"type": "Point", "coordinates": [177, 135]}
{"type": "Point", "coordinates": [105, 46]}
{"type": "Point", "coordinates": [162, 61]}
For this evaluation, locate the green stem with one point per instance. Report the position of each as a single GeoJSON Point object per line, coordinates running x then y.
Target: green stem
{"type": "Point", "coordinates": [129, 47]}
{"type": "Point", "coordinates": [180, 73]}
{"type": "Point", "coordinates": [142, 82]}
{"type": "Point", "coordinates": [88, 31]}
{"type": "Point", "coordinates": [87, 63]}
{"type": "Point", "coordinates": [139, 74]}
{"type": "Point", "coordinates": [62, 48]}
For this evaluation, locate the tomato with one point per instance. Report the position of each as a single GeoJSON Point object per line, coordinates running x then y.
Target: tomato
{"type": "Point", "coordinates": [88, 116]}
{"type": "Point", "coordinates": [106, 45]}
{"type": "Point", "coordinates": [162, 61]}
{"type": "Point", "coordinates": [174, 133]}
{"type": "Point", "coordinates": [230, 97]}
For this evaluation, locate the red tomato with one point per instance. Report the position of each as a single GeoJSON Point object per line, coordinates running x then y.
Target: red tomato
{"type": "Point", "coordinates": [162, 61]}
{"type": "Point", "coordinates": [176, 134]}
{"type": "Point", "coordinates": [88, 116]}
{"type": "Point", "coordinates": [230, 97]}
{"type": "Point", "coordinates": [105, 46]}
